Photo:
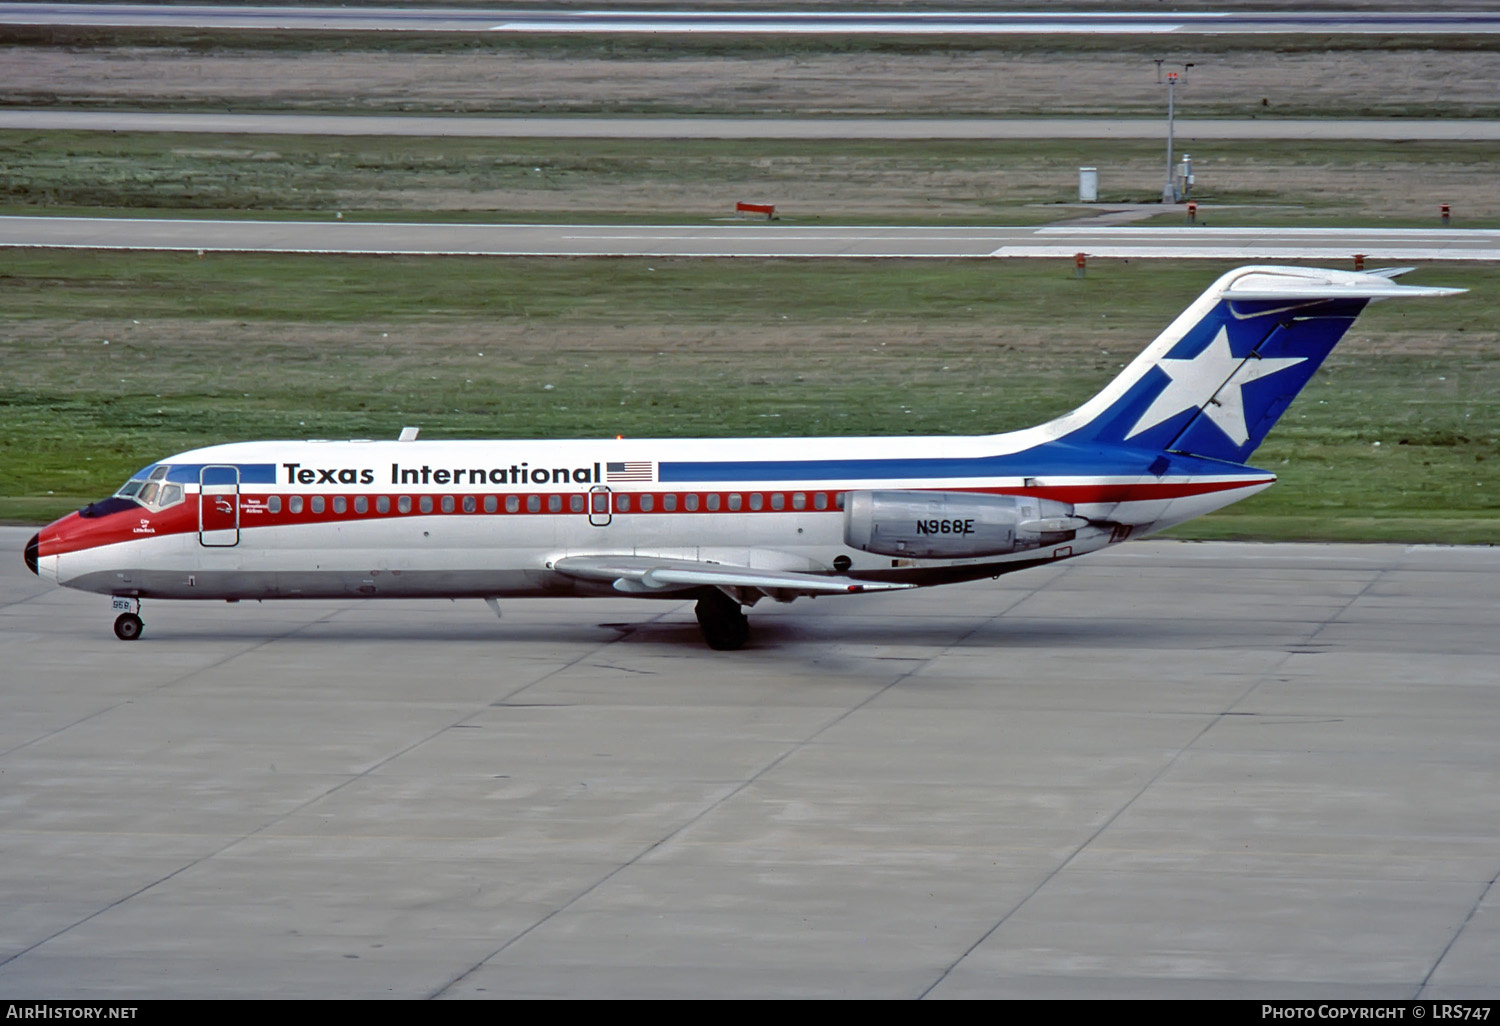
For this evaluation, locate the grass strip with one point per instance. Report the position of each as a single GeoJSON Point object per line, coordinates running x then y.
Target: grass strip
{"type": "Point", "coordinates": [112, 362]}
{"type": "Point", "coordinates": [842, 181]}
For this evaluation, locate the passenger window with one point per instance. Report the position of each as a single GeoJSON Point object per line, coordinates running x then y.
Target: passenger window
{"type": "Point", "coordinates": [820, 500]}
{"type": "Point", "coordinates": [383, 503]}
{"type": "Point", "coordinates": [799, 500]}
{"type": "Point", "coordinates": [491, 503]}
{"type": "Point", "coordinates": [470, 504]}
{"type": "Point", "coordinates": [669, 502]}
{"type": "Point", "coordinates": [756, 501]}
{"type": "Point", "coordinates": [622, 503]}
{"type": "Point", "coordinates": [317, 503]}
{"type": "Point", "coordinates": [294, 504]}
{"type": "Point", "coordinates": [576, 503]}
{"type": "Point", "coordinates": [425, 503]}
{"type": "Point", "coordinates": [533, 503]}
{"type": "Point", "coordinates": [713, 502]}
{"type": "Point", "coordinates": [690, 503]}
{"type": "Point", "coordinates": [734, 501]}
{"type": "Point", "coordinates": [274, 504]}
{"type": "Point", "coordinates": [646, 504]}
{"type": "Point", "coordinates": [512, 503]}
{"type": "Point", "coordinates": [361, 504]}
{"type": "Point", "coordinates": [403, 504]}
{"type": "Point", "coordinates": [554, 504]}
{"type": "Point", "coordinates": [447, 504]}
{"type": "Point", "coordinates": [778, 501]}
{"type": "Point", "coordinates": [340, 504]}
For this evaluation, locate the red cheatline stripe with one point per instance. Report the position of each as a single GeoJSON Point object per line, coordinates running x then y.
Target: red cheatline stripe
{"type": "Point", "coordinates": [80, 533]}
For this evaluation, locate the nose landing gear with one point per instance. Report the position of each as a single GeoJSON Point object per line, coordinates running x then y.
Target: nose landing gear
{"type": "Point", "coordinates": [128, 624]}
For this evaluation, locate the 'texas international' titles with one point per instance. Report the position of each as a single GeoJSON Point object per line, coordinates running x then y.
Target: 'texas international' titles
{"type": "Point", "coordinates": [522, 473]}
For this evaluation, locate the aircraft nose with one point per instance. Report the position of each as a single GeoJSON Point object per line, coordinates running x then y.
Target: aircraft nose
{"type": "Point", "coordinates": [32, 548]}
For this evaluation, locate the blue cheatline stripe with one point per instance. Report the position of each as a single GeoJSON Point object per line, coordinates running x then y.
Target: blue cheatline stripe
{"type": "Point", "coordinates": [827, 470]}
{"type": "Point", "coordinates": [1053, 459]}
{"type": "Point", "coordinates": [1043, 460]}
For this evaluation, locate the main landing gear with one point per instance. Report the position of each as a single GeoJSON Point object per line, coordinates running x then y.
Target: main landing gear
{"type": "Point", "coordinates": [128, 625]}
{"type": "Point", "coordinates": [723, 623]}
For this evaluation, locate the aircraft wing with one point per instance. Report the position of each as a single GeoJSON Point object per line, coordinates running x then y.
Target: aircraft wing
{"type": "Point", "coordinates": [638, 575]}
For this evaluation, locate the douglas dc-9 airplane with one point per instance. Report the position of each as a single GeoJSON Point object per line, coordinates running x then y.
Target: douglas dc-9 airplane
{"type": "Point", "coordinates": [724, 521]}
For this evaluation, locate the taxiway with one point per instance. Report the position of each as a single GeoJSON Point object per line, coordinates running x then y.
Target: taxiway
{"type": "Point", "coordinates": [720, 22]}
{"type": "Point", "coordinates": [778, 239]}
{"type": "Point", "coordinates": [1188, 130]}
{"type": "Point", "coordinates": [1167, 770]}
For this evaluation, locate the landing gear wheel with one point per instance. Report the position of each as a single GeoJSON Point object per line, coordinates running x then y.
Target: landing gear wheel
{"type": "Point", "coordinates": [128, 626]}
{"type": "Point", "coordinates": [723, 624]}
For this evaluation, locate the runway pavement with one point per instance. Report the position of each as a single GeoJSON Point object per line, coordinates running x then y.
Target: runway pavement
{"type": "Point", "coordinates": [1188, 130]}
{"type": "Point", "coordinates": [1168, 770]}
{"type": "Point", "coordinates": [398, 19]}
{"type": "Point", "coordinates": [750, 239]}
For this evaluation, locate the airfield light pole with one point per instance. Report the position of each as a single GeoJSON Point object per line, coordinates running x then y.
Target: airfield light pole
{"type": "Point", "coordinates": [1169, 192]}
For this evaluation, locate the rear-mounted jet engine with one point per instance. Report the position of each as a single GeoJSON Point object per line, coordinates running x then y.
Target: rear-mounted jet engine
{"type": "Point", "coordinates": [954, 525]}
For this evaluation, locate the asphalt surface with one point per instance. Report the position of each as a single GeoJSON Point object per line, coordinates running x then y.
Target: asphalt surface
{"type": "Point", "coordinates": [1188, 130]}
{"type": "Point", "coordinates": [750, 239]}
{"type": "Point", "coordinates": [1168, 770]}
{"type": "Point", "coordinates": [397, 19]}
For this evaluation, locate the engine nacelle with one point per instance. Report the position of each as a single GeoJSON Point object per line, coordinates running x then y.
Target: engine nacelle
{"type": "Point", "coordinates": [954, 525]}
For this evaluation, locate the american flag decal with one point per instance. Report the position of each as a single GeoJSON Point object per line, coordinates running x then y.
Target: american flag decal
{"type": "Point", "coordinates": [635, 470]}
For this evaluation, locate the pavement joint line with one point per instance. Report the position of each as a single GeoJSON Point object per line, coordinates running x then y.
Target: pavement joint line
{"type": "Point", "coordinates": [278, 818]}
{"type": "Point", "coordinates": [253, 646]}
{"type": "Point", "coordinates": [272, 821]}
{"type": "Point", "coordinates": [1474, 908]}
{"type": "Point", "coordinates": [712, 806]}
{"type": "Point", "coordinates": [590, 654]}
{"type": "Point", "coordinates": [1213, 720]}
{"type": "Point", "coordinates": [206, 856]}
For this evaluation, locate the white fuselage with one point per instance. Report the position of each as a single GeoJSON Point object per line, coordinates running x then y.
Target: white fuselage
{"type": "Point", "coordinates": [492, 518]}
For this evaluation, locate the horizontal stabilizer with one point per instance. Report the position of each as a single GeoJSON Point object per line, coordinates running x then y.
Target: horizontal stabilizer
{"type": "Point", "coordinates": [1302, 283]}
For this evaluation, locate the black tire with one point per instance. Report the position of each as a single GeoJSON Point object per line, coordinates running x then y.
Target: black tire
{"type": "Point", "coordinates": [722, 622]}
{"type": "Point", "coordinates": [128, 626]}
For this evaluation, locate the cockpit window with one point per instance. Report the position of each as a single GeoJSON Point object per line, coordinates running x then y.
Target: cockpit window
{"type": "Point", "coordinates": [137, 481]}
{"type": "Point", "coordinates": [149, 488]}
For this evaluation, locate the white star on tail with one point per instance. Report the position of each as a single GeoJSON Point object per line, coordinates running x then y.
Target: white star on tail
{"type": "Point", "coordinates": [1195, 380]}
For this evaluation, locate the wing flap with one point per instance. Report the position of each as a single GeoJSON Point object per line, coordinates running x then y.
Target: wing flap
{"type": "Point", "coordinates": [647, 575]}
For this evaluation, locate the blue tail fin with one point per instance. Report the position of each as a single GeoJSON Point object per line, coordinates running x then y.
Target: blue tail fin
{"type": "Point", "coordinates": [1217, 379]}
